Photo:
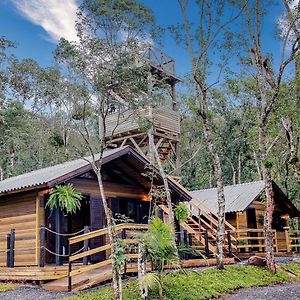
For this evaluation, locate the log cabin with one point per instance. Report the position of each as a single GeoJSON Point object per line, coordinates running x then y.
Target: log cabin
{"type": "Point", "coordinates": [23, 202]}
{"type": "Point", "coordinates": [245, 208]}
{"type": "Point", "coordinates": [53, 245]}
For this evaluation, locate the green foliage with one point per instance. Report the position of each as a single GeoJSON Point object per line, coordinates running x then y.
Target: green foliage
{"type": "Point", "coordinates": [159, 245]}
{"type": "Point", "coordinates": [196, 285]}
{"type": "Point", "coordinates": [293, 267]}
{"type": "Point", "coordinates": [241, 242]}
{"type": "Point", "coordinates": [181, 212]}
{"type": "Point", "coordinates": [151, 281]}
{"type": "Point", "coordinates": [118, 257]}
{"type": "Point", "coordinates": [4, 287]}
{"type": "Point", "coordinates": [66, 198]}
{"type": "Point", "coordinates": [268, 164]}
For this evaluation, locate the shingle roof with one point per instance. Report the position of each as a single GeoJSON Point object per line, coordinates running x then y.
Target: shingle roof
{"type": "Point", "coordinates": [237, 197]}
{"type": "Point", "coordinates": [47, 175]}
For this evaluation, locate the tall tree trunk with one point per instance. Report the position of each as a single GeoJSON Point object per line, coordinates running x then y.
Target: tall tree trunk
{"type": "Point", "coordinates": [239, 168]}
{"type": "Point", "coordinates": [258, 167]}
{"type": "Point", "coordinates": [1, 173]}
{"type": "Point", "coordinates": [116, 276]}
{"type": "Point", "coordinates": [269, 199]}
{"type": "Point", "coordinates": [171, 217]}
{"type": "Point", "coordinates": [142, 269]}
{"type": "Point", "coordinates": [220, 192]}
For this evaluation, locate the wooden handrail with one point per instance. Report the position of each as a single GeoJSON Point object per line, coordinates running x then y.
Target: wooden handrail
{"type": "Point", "coordinates": [198, 201]}
{"type": "Point", "coordinates": [251, 230]}
{"type": "Point", "coordinates": [104, 231]}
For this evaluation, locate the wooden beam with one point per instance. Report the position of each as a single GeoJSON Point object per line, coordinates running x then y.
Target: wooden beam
{"type": "Point", "coordinates": [37, 228]}
{"type": "Point", "coordinates": [124, 142]}
{"type": "Point", "coordinates": [137, 146]}
{"type": "Point", "coordinates": [159, 143]}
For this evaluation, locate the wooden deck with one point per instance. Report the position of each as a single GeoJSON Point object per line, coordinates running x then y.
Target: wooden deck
{"type": "Point", "coordinates": [33, 273]}
{"type": "Point", "coordinates": [103, 274]}
{"type": "Point", "coordinates": [164, 120]}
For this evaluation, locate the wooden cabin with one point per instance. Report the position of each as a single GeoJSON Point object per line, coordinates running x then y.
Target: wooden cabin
{"type": "Point", "coordinates": [23, 203]}
{"type": "Point", "coordinates": [73, 250]}
{"type": "Point", "coordinates": [245, 208]}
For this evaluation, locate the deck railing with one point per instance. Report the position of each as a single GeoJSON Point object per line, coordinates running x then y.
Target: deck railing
{"type": "Point", "coordinates": [158, 59]}
{"type": "Point", "coordinates": [162, 118]}
{"type": "Point", "coordinates": [293, 240]}
{"type": "Point", "coordinates": [253, 240]}
{"type": "Point", "coordinates": [127, 232]}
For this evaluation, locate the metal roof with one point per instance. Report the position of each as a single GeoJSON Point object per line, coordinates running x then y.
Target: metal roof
{"type": "Point", "coordinates": [50, 174]}
{"type": "Point", "coordinates": [237, 197]}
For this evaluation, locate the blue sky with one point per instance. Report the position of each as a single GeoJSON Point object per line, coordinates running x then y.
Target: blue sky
{"type": "Point", "coordinates": [36, 24]}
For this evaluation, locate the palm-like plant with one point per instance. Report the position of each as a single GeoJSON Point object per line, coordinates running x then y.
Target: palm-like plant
{"type": "Point", "coordinates": [159, 244]}
{"type": "Point", "coordinates": [66, 198]}
{"type": "Point", "coordinates": [160, 250]}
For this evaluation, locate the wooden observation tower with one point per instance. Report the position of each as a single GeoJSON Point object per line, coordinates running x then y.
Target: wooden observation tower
{"type": "Point", "coordinates": [126, 128]}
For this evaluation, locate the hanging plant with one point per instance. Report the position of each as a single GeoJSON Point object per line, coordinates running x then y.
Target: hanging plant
{"type": "Point", "coordinates": [181, 213]}
{"type": "Point", "coordinates": [66, 198]}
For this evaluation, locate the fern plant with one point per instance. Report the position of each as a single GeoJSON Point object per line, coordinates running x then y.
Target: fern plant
{"type": "Point", "coordinates": [181, 213]}
{"type": "Point", "coordinates": [66, 198]}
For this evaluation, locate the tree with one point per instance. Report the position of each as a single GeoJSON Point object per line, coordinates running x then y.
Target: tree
{"type": "Point", "coordinates": [200, 39]}
{"type": "Point", "coordinates": [268, 87]}
{"type": "Point", "coordinates": [101, 75]}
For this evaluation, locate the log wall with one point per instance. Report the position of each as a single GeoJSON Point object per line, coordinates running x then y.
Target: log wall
{"type": "Point", "coordinates": [18, 211]}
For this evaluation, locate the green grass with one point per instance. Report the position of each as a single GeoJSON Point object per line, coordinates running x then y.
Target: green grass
{"type": "Point", "coordinates": [192, 285]}
{"type": "Point", "coordinates": [7, 287]}
{"type": "Point", "coordinates": [293, 267]}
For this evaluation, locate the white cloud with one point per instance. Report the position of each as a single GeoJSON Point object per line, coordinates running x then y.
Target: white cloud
{"type": "Point", "coordinates": [56, 17]}
{"type": "Point", "coordinates": [284, 25]}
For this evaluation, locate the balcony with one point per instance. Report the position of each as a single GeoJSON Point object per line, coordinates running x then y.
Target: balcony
{"type": "Point", "coordinates": [165, 122]}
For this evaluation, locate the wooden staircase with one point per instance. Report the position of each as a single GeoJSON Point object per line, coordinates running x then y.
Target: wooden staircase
{"type": "Point", "coordinates": [203, 220]}
{"type": "Point", "coordinates": [194, 228]}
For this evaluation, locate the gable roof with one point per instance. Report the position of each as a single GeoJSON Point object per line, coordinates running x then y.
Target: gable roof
{"type": "Point", "coordinates": [53, 175]}
{"type": "Point", "coordinates": [237, 197]}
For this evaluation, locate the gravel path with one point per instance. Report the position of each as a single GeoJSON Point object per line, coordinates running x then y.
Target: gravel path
{"type": "Point", "coordinates": [286, 291]}
{"type": "Point", "coordinates": [31, 293]}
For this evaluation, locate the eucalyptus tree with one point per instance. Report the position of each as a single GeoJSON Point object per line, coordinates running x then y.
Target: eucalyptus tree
{"type": "Point", "coordinates": [102, 74]}
{"type": "Point", "coordinates": [201, 38]}
{"type": "Point", "coordinates": [268, 83]}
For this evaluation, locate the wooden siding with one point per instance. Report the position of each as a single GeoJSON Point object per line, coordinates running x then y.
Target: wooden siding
{"type": "Point", "coordinates": [90, 186]}
{"type": "Point", "coordinates": [19, 212]}
{"type": "Point", "coordinates": [163, 119]}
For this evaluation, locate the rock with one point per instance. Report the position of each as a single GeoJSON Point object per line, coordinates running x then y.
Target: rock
{"type": "Point", "coordinates": [257, 261]}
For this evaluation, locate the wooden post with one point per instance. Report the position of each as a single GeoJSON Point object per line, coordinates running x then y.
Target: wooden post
{"type": "Point", "coordinates": [69, 271]}
{"type": "Point", "coordinates": [207, 254]}
{"type": "Point", "coordinates": [8, 250]}
{"type": "Point", "coordinates": [185, 241]}
{"type": "Point", "coordinates": [229, 243]}
{"type": "Point", "coordinates": [275, 244]}
{"type": "Point", "coordinates": [42, 246]}
{"type": "Point", "coordinates": [12, 248]}
{"type": "Point", "coordinates": [287, 240]}
{"type": "Point", "coordinates": [123, 234]}
{"type": "Point", "coordinates": [199, 219]}
{"type": "Point", "coordinates": [85, 246]}
{"type": "Point", "coordinates": [190, 236]}
{"type": "Point", "coordinates": [58, 260]}
{"type": "Point", "coordinates": [237, 214]}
